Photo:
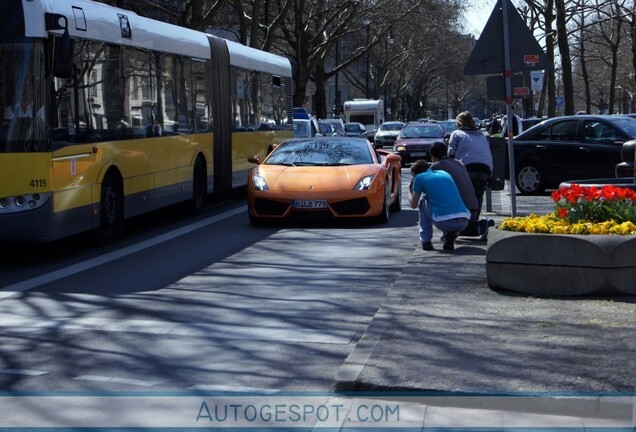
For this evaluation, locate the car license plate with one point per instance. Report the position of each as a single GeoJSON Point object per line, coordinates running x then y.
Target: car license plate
{"type": "Point", "coordinates": [309, 204]}
{"type": "Point", "coordinates": [418, 154]}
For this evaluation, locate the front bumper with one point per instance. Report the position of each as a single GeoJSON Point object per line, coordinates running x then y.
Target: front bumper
{"type": "Point", "coordinates": [385, 141]}
{"type": "Point", "coordinates": [410, 155]}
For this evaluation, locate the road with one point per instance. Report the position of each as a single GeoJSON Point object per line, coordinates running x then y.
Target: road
{"type": "Point", "coordinates": [207, 303]}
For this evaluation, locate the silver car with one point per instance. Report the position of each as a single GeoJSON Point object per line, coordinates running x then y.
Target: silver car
{"type": "Point", "coordinates": [387, 133]}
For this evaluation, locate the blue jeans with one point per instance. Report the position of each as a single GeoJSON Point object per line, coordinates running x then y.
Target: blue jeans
{"type": "Point", "coordinates": [426, 223]}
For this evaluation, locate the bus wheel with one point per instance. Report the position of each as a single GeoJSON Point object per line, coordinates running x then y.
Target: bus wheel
{"type": "Point", "coordinates": [199, 187]}
{"type": "Point", "coordinates": [111, 210]}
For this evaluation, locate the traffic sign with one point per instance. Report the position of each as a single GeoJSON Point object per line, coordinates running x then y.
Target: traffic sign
{"type": "Point", "coordinates": [487, 57]}
{"type": "Point", "coordinates": [531, 59]}
{"type": "Point", "coordinates": [536, 80]}
{"type": "Point", "coordinates": [521, 91]}
{"type": "Point", "coordinates": [559, 102]}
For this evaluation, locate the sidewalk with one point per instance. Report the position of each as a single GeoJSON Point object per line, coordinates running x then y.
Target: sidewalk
{"type": "Point", "coordinates": [442, 330]}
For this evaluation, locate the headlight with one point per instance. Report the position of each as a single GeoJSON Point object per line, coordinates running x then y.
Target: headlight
{"type": "Point", "coordinates": [19, 201]}
{"type": "Point", "coordinates": [364, 183]}
{"type": "Point", "coordinates": [400, 148]}
{"type": "Point", "coordinates": [259, 183]}
{"type": "Point", "coordinates": [22, 203]}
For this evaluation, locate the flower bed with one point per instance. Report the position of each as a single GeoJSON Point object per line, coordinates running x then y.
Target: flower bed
{"type": "Point", "coordinates": [583, 210]}
{"type": "Point", "coordinates": [587, 246]}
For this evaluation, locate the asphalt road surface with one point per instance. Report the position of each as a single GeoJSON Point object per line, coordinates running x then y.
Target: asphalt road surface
{"type": "Point", "coordinates": [207, 303]}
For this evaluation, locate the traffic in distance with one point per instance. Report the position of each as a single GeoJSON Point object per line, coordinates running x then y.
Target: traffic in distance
{"type": "Point", "coordinates": [174, 131]}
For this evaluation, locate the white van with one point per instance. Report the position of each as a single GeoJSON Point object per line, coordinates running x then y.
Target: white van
{"type": "Point", "coordinates": [369, 112]}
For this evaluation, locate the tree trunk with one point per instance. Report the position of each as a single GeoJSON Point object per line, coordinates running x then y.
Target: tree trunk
{"type": "Point", "coordinates": [632, 23]}
{"type": "Point", "coordinates": [320, 100]}
{"type": "Point", "coordinates": [549, 47]}
{"type": "Point", "coordinates": [566, 61]}
{"type": "Point", "coordinates": [584, 73]}
{"type": "Point", "coordinates": [300, 88]}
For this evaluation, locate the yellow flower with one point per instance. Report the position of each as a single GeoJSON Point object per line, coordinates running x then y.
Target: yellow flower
{"type": "Point", "coordinates": [557, 229]}
{"type": "Point", "coordinates": [552, 224]}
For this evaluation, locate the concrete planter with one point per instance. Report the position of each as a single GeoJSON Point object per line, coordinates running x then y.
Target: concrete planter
{"type": "Point", "coordinates": [561, 264]}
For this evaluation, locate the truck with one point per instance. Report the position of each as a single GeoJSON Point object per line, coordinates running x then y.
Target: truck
{"type": "Point", "coordinates": [369, 112]}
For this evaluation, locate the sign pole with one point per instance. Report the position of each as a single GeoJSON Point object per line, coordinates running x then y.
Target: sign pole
{"type": "Point", "coordinates": [508, 100]}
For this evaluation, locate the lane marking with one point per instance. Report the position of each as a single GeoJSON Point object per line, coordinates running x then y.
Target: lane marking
{"type": "Point", "coordinates": [26, 285]}
{"type": "Point", "coordinates": [27, 372]}
{"type": "Point", "coordinates": [234, 389]}
{"type": "Point", "coordinates": [117, 380]}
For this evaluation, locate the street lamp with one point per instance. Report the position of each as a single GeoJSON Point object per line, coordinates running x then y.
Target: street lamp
{"type": "Point", "coordinates": [336, 108]}
{"type": "Point", "coordinates": [389, 41]}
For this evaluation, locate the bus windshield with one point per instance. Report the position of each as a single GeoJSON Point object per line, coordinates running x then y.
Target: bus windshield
{"type": "Point", "coordinates": [22, 97]}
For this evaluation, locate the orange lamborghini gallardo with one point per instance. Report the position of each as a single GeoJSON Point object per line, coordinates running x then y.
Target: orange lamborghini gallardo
{"type": "Point", "coordinates": [339, 177]}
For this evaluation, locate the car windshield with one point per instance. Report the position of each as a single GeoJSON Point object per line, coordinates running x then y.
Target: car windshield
{"type": "Point", "coordinates": [432, 131]}
{"type": "Point", "coordinates": [321, 152]}
{"type": "Point", "coordinates": [448, 126]}
{"type": "Point", "coordinates": [325, 128]}
{"type": "Point", "coordinates": [391, 126]}
{"type": "Point", "coordinates": [336, 125]}
{"type": "Point", "coordinates": [301, 129]}
{"type": "Point", "coordinates": [353, 128]}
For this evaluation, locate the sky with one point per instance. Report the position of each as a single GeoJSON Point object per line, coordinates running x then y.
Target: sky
{"type": "Point", "coordinates": [477, 13]}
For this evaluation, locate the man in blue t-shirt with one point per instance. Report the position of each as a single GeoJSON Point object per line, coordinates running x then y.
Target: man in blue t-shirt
{"type": "Point", "coordinates": [442, 206]}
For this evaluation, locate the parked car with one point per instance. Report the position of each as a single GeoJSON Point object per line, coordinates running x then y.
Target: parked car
{"type": "Point", "coordinates": [337, 125]}
{"type": "Point", "coordinates": [387, 133]}
{"type": "Point", "coordinates": [354, 129]}
{"type": "Point", "coordinates": [337, 177]}
{"type": "Point", "coordinates": [626, 167]}
{"type": "Point", "coordinates": [415, 139]}
{"type": "Point", "coordinates": [570, 148]}
{"type": "Point", "coordinates": [527, 123]}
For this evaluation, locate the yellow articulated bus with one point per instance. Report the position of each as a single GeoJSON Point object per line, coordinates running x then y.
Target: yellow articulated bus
{"type": "Point", "coordinates": [108, 115]}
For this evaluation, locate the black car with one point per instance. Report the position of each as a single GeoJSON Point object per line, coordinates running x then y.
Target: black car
{"type": "Point", "coordinates": [566, 148]}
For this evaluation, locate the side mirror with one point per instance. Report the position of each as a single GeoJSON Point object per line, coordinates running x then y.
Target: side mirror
{"type": "Point", "coordinates": [254, 159]}
{"type": "Point", "coordinates": [392, 158]}
{"type": "Point", "coordinates": [64, 46]}
{"type": "Point", "coordinates": [64, 53]}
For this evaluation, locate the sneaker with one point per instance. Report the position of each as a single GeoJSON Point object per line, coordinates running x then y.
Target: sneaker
{"type": "Point", "coordinates": [450, 239]}
{"type": "Point", "coordinates": [427, 246]}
